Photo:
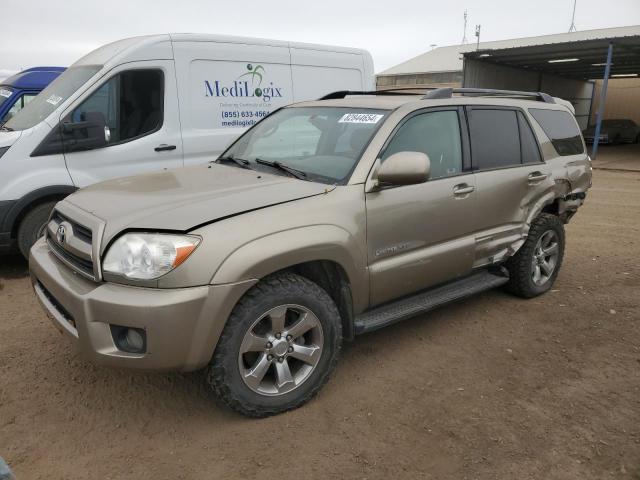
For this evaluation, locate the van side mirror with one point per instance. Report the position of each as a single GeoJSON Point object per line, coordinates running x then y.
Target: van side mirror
{"type": "Point", "coordinates": [88, 134]}
{"type": "Point", "coordinates": [404, 168]}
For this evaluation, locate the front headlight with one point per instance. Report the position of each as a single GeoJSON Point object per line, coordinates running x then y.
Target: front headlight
{"type": "Point", "coordinates": [145, 256]}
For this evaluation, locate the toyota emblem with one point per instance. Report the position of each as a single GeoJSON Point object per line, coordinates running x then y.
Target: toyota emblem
{"type": "Point", "coordinates": [61, 234]}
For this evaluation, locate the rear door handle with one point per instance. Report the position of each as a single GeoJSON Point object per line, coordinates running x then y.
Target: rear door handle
{"type": "Point", "coordinates": [164, 148]}
{"type": "Point", "coordinates": [463, 189]}
{"type": "Point", "coordinates": [537, 177]}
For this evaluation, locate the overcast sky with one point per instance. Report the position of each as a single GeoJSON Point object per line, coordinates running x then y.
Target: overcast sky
{"type": "Point", "coordinates": [59, 32]}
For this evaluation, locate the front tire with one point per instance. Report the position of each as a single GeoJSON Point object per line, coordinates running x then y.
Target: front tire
{"type": "Point", "coordinates": [32, 226]}
{"type": "Point", "coordinates": [534, 268]}
{"type": "Point", "coordinates": [278, 348]}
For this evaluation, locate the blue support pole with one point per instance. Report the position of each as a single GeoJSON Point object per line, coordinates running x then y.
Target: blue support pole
{"type": "Point", "coordinates": [603, 99]}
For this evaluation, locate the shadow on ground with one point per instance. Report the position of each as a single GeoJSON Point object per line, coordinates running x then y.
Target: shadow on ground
{"type": "Point", "coordinates": [13, 266]}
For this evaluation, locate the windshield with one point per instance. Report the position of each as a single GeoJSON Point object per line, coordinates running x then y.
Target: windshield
{"type": "Point", "coordinates": [5, 94]}
{"type": "Point", "coordinates": [325, 143]}
{"type": "Point", "coordinates": [48, 100]}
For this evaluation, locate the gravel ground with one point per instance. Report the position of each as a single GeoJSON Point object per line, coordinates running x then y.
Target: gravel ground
{"type": "Point", "coordinates": [491, 387]}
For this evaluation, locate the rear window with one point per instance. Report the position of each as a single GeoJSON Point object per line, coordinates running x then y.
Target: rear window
{"type": "Point", "coordinates": [562, 130]}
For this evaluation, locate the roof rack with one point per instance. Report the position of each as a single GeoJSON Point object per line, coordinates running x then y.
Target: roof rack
{"type": "Point", "coordinates": [485, 92]}
{"type": "Point", "coordinates": [389, 91]}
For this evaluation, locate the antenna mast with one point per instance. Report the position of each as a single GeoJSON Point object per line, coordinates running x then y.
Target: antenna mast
{"type": "Point", "coordinates": [464, 34]}
{"type": "Point", "coordinates": [478, 37]}
{"type": "Point", "coordinates": [572, 28]}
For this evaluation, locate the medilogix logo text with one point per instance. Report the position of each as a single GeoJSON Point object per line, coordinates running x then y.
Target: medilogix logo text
{"type": "Point", "coordinates": [251, 88]}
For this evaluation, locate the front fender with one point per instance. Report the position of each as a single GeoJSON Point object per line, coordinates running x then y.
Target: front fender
{"type": "Point", "coordinates": [280, 250]}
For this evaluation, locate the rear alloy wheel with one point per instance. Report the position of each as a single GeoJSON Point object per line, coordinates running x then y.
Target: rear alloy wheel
{"type": "Point", "coordinates": [278, 348]}
{"type": "Point", "coordinates": [545, 258]}
{"type": "Point", "coordinates": [534, 268]}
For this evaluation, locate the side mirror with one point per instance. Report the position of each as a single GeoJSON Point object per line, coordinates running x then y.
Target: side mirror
{"type": "Point", "coordinates": [88, 134]}
{"type": "Point", "coordinates": [404, 168]}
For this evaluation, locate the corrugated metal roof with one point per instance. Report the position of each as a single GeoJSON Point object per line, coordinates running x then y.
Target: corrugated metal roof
{"type": "Point", "coordinates": [448, 59]}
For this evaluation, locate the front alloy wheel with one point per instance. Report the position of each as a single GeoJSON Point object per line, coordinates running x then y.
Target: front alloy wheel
{"type": "Point", "coordinates": [281, 350]}
{"type": "Point", "coordinates": [278, 347]}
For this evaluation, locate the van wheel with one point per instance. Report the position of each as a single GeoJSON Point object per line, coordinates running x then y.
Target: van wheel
{"type": "Point", "coordinates": [32, 226]}
{"type": "Point", "coordinates": [533, 270]}
{"type": "Point", "coordinates": [278, 348]}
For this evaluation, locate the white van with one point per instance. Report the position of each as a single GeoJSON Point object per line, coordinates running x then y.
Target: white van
{"type": "Point", "coordinates": [152, 103]}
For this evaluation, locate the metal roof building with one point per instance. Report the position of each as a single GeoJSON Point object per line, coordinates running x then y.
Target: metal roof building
{"type": "Point", "coordinates": [450, 59]}
{"type": "Point", "coordinates": [564, 65]}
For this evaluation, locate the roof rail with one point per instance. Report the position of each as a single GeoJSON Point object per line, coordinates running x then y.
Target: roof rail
{"type": "Point", "coordinates": [390, 91]}
{"type": "Point", "coordinates": [485, 92]}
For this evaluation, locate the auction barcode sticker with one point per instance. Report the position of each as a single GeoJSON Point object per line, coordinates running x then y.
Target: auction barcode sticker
{"type": "Point", "coordinates": [360, 118]}
{"type": "Point", "coordinates": [5, 93]}
{"type": "Point", "coordinates": [54, 99]}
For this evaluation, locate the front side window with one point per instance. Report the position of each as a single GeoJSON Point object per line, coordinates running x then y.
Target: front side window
{"type": "Point", "coordinates": [130, 103]}
{"type": "Point", "coordinates": [19, 105]}
{"type": "Point", "coordinates": [435, 133]}
{"type": "Point", "coordinates": [562, 130]}
{"type": "Point", "coordinates": [323, 142]}
{"type": "Point", "coordinates": [52, 97]}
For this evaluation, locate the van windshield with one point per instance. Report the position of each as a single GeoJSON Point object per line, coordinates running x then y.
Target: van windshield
{"type": "Point", "coordinates": [325, 143]}
{"type": "Point", "coordinates": [51, 97]}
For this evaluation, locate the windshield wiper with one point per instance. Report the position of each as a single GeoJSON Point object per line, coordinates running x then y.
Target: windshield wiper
{"type": "Point", "coordinates": [294, 172]}
{"type": "Point", "coordinates": [6, 129]}
{"type": "Point", "coordinates": [238, 161]}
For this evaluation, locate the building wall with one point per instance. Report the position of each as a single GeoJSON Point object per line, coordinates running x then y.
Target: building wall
{"type": "Point", "coordinates": [623, 99]}
{"type": "Point", "coordinates": [420, 80]}
{"type": "Point", "coordinates": [483, 74]}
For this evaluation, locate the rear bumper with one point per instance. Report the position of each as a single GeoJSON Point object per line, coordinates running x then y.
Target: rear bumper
{"type": "Point", "coordinates": [182, 326]}
{"type": "Point", "coordinates": [602, 141]}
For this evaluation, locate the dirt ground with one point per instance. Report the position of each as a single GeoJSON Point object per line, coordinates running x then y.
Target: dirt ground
{"type": "Point", "coordinates": [491, 387]}
{"type": "Point", "coordinates": [618, 157]}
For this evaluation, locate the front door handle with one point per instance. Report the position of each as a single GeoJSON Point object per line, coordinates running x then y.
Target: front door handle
{"type": "Point", "coordinates": [536, 177]}
{"type": "Point", "coordinates": [164, 148]}
{"type": "Point", "coordinates": [463, 189]}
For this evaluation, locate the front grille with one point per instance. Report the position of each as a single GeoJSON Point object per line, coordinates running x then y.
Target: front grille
{"type": "Point", "coordinates": [80, 231]}
{"type": "Point", "coordinates": [57, 305]}
{"type": "Point", "coordinates": [83, 265]}
{"type": "Point", "coordinates": [72, 242]}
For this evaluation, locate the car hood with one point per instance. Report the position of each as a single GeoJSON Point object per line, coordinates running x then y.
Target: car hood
{"type": "Point", "coordinates": [185, 198]}
{"type": "Point", "coordinates": [8, 138]}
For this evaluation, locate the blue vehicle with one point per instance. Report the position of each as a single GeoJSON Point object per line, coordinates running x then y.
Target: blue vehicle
{"type": "Point", "coordinates": [19, 89]}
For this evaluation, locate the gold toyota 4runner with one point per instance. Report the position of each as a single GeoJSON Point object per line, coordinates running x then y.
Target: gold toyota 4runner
{"type": "Point", "coordinates": [325, 220]}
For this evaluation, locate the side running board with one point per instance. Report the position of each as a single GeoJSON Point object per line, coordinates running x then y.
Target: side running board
{"type": "Point", "coordinates": [418, 303]}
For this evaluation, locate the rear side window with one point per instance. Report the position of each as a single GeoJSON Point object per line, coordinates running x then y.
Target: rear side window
{"type": "Point", "coordinates": [562, 130]}
{"type": "Point", "coordinates": [528, 142]}
{"type": "Point", "coordinates": [495, 138]}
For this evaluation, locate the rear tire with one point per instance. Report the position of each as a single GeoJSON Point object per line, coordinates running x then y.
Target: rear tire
{"type": "Point", "coordinates": [534, 268]}
{"type": "Point", "coordinates": [32, 226]}
{"type": "Point", "coordinates": [256, 368]}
